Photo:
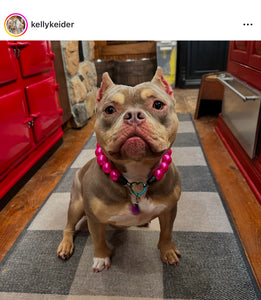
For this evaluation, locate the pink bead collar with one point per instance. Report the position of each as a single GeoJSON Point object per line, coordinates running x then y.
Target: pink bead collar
{"type": "Point", "coordinates": [115, 175]}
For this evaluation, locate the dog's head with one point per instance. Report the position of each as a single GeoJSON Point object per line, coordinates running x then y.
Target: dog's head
{"type": "Point", "coordinates": [137, 122]}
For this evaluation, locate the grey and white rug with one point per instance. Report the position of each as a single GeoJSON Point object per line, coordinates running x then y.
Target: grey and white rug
{"type": "Point", "coordinates": [213, 264]}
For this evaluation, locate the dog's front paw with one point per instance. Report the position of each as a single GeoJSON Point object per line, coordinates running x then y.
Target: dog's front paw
{"type": "Point", "coordinates": [100, 264]}
{"type": "Point", "coordinates": [65, 249]}
{"type": "Point", "coordinates": [170, 254]}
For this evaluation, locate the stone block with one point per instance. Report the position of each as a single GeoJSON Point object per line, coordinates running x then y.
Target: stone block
{"type": "Point", "coordinates": [71, 54]}
{"type": "Point", "coordinates": [86, 50]}
{"type": "Point", "coordinates": [92, 74]}
{"type": "Point", "coordinates": [88, 75]}
{"type": "Point", "coordinates": [91, 102]}
{"type": "Point", "coordinates": [91, 50]}
{"type": "Point", "coordinates": [79, 113]}
{"type": "Point", "coordinates": [78, 90]}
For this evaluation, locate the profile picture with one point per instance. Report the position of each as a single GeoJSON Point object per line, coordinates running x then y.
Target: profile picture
{"type": "Point", "coordinates": [16, 24]}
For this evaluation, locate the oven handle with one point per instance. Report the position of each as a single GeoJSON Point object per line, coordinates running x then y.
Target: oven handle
{"type": "Point", "coordinates": [243, 97]}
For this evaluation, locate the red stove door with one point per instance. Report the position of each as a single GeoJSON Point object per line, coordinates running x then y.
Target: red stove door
{"type": "Point", "coordinates": [35, 57]}
{"type": "Point", "coordinates": [44, 107]}
{"type": "Point", "coordinates": [8, 71]}
{"type": "Point", "coordinates": [16, 140]}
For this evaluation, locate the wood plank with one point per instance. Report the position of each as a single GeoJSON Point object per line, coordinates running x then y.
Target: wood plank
{"type": "Point", "coordinates": [97, 48]}
{"type": "Point", "coordinates": [129, 49]}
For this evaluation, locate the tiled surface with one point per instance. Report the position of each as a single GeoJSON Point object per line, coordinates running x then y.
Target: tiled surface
{"type": "Point", "coordinates": [83, 157]}
{"type": "Point", "coordinates": [206, 213]}
{"type": "Point", "coordinates": [188, 156]}
{"type": "Point", "coordinates": [52, 215]}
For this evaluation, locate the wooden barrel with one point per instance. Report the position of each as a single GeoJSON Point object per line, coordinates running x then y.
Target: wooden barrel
{"type": "Point", "coordinates": [132, 72]}
{"type": "Point", "coordinates": [103, 66]}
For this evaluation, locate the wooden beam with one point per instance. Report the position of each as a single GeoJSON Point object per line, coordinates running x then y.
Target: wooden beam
{"type": "Point", "coordinates": [129, 49]}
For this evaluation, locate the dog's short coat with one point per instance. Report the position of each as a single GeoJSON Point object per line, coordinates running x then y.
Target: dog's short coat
{"type": "Point", "coordinates": [135, 127]}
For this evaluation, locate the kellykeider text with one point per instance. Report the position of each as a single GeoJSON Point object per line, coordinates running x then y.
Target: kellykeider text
{"type": "Point", "coordinates": [50, 24]}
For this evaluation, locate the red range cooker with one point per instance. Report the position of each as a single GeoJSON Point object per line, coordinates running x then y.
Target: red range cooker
{"type": "Point", "coordinates": [30, 113]}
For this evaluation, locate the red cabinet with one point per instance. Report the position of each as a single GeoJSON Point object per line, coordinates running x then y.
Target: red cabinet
{"type": "Point", "coordinates": [8, 71]}
{"type": "Point", "coordinates": [239, 51]}
{"type": "Point", "coordinates": [255, 55]}
{"type": "Point", "coordinates": [244, 61]}
{"type": "Point", "coordinates": [36, 59]}
{"type": "Point", "coordinates": [245, 52]}
{"type": "Point", "coordinates": [30, 113]}
{"type": "Point", "coordinates": [16, 138]}
{"type": "Point", "coordinates": [44, 106]}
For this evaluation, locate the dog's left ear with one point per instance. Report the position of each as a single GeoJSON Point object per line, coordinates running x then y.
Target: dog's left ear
{"type": "Point", "coordinates": [160, 80]}
{"type": "Point", "coordinates": [105, 84]}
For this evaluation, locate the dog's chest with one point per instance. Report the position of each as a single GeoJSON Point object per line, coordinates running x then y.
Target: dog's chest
{"type": "Point", "coordinates": [148, 211]}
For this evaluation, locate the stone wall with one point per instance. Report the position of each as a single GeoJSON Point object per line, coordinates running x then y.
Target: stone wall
{"type": "Point", "coordinates": [81, 80]}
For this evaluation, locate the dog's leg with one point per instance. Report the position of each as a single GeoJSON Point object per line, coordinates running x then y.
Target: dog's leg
{"type": "Point", "coordinates": [102, 252]}
{"type": "Point", "coordinates": [75, 213]}
{"type": "Point", "coordinates": [169, 252]}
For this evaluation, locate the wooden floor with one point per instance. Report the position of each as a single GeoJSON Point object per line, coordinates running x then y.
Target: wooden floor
{"type": "Point", "coordinates": [242, 205]}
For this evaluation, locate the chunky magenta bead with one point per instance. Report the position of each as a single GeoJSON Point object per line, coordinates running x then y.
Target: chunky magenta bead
{"type": "Point", "coordinates": [101, 159]}
{"type": "Point", "coordinates": [158, 174]}
{"type": "Point", "coordinates": [167, 158]}
{"type": "Point", "coordinates": [164, 167]}
{"type": "Point", "coordinates": [107, 167]}
{"type": "Point", "coordinates": [169, 152]}
{"type": "Point", "coordinates": [114, 175]}
{"type": "Point", "coordinates": [98, 151]}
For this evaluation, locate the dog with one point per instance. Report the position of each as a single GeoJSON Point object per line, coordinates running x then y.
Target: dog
{"type": "Point", "coordinates": [133, 179]}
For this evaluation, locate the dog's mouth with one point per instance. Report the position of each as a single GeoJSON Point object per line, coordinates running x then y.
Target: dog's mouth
{"type": "Point", "coordinates": [134, 147]}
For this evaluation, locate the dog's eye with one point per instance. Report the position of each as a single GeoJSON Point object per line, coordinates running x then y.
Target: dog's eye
{"type": "Point", "coordinates": [110, 110]}
{"type": "Point", "coordinates": [158, 105]}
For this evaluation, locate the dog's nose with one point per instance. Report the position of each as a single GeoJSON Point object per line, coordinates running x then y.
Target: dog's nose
{"type": "Point", "coordinates": [134, 117]}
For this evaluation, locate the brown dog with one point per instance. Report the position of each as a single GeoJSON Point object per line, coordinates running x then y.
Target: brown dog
{"type": "Point", "coordinates": [133, 180]}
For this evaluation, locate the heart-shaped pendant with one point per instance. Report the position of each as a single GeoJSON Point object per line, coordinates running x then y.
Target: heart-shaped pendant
{"type": "Point", "coordinates": [140, 188]}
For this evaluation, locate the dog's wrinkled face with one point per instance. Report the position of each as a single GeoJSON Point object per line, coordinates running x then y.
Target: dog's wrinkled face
{"type": "Point", "coordinates": [136, 122]}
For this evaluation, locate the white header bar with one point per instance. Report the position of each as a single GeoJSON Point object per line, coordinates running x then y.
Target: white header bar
{"type": "Point", "coordinates": [135, 19]}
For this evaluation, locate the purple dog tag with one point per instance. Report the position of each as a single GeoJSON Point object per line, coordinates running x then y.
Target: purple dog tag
{"type": "Point", "coordinates": [135, 209]}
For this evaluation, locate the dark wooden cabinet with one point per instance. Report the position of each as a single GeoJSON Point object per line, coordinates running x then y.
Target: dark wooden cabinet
{"type": "Point", "coordinates": [197, 58]}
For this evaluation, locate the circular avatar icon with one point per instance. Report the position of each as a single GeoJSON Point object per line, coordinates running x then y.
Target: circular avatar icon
{"type": "Point", "coordinates": [16, 24]}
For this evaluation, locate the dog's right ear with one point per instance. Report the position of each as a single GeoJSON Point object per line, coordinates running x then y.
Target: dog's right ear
{"type": "Point", "coordinates": [105, 84]}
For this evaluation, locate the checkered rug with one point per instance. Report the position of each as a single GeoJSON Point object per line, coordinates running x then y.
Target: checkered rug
{"type": "Point", "coordinates": [212, 266]}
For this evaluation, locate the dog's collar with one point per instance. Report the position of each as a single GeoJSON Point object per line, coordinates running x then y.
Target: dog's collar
{"type": "Point", "coordinates": [116, 176]}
